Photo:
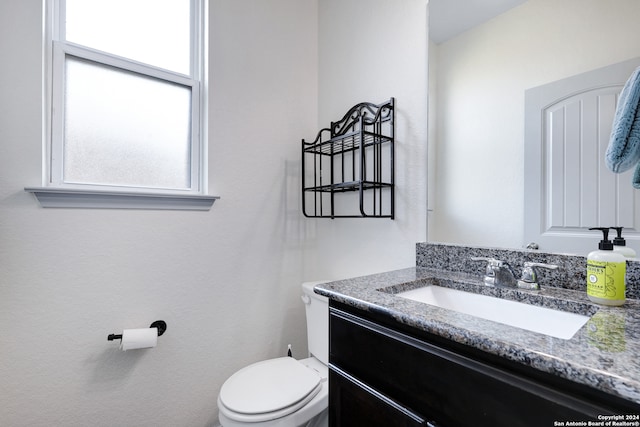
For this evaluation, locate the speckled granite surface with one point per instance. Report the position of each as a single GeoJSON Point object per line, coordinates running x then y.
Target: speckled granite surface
{"type": "Point", "coordinates": [571, 273]}
{"type": "Point", "coordinates": [603, 354]}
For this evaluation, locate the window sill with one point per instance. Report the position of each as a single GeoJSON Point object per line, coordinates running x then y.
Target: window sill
{"type": "Point", "coordinates": [49, 197]}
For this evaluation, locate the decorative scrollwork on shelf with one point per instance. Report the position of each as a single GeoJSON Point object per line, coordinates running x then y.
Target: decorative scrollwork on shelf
{"type": "Point", "coordinates": [365, 113]}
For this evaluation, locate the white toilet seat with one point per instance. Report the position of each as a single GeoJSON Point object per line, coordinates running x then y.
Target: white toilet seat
{"type": "Point", "coordinates": [268, 390]}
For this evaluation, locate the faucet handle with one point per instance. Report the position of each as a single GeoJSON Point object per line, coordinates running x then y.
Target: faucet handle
{"type": "Point", "coordinates": [492, 263]}
{"type": "Point", "coordinates": [498, 273]}
{"type": "Point", "coordinates": [529, 279]}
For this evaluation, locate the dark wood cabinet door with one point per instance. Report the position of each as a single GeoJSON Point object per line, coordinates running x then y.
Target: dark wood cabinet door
{"type": "Point", "coordinates": [355, 404]}
{"type": "Point", "coordinates": [442, 384]}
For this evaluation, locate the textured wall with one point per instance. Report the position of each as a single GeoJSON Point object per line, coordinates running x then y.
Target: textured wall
{"type": "Point", "coordinates": [370, 51]}
{"type": "Point", "coordinates": [225, 281]}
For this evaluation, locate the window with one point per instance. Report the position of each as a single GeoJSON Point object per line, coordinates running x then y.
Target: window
{"type": "Point", "coordinates": [125, 106]}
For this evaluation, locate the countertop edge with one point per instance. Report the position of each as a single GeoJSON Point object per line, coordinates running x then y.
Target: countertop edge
{"type": "Point", "coordinates": [356, 292]}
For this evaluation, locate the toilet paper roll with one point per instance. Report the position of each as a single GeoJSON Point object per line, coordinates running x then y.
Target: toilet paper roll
{"type": "Point", "coordinates": [139, 338]}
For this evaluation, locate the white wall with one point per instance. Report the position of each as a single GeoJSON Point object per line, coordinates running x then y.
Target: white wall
{"type": "Point", "coordinates": [225, 281]}
{"type": "Point", "coordinates": [370, 51]}
{"type": "Point", "coordinates": [480, 78]}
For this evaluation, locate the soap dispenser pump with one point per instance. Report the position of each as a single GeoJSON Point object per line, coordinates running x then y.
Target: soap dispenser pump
{"type": "Point", "coordinates": [606, 272]}
{"type": "Point", "coordinates": [620, 245]}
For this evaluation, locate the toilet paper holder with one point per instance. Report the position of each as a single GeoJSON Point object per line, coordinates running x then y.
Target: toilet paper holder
{"type": "Point", "coordinates": [160, 324]}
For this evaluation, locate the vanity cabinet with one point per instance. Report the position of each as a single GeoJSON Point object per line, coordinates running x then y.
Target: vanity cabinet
{"type": "Point", "coordinates": [383, 373]}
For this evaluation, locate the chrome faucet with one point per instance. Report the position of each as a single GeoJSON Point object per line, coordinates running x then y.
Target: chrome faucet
{"type": "Point", "coordinates": [499, 273]}
{"type": "Point", "coordinates": [529, 279]}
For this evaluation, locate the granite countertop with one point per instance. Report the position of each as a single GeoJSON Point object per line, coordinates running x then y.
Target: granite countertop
{"type": "Point", "coordinates": [603, 354]}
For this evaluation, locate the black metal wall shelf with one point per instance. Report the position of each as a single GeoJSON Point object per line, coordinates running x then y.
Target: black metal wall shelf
{"type": "Point", "coordinates": [355, 154]}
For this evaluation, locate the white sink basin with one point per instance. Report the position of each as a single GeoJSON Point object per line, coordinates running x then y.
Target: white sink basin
{"type": "Point", "coordinates": [559, 324]}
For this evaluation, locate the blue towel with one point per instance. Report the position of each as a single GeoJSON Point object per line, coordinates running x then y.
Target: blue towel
{"type": "Point", "coordinates": [636, 177]}
{"type": "Point", "coordinates": [623, 151]}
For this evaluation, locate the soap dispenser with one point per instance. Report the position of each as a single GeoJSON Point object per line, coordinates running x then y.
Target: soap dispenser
{"type": "Point", "coordinates": [606, 272]}
{"type": "Point", "coordinates": [620, 245]}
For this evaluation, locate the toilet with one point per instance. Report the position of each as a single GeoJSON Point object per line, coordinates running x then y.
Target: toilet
{"type": "Point", "coordinates": [284, 392]}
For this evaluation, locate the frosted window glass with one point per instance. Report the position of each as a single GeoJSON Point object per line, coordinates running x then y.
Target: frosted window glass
{"type": "Point", "coordinates": [156, 32]}
{"type": "Point", "coordinates": [125, 129]}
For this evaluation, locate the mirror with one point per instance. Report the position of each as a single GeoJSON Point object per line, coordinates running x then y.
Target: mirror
{"type": "Point", "coordinates": [477, 84]}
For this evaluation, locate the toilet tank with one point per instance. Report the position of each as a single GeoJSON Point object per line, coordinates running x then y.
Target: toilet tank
{"type": "Point", "coordinates": [317, 309]}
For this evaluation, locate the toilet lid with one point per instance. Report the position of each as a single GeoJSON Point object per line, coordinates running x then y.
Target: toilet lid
{"type": "Point", "coordinates": [268, 386]}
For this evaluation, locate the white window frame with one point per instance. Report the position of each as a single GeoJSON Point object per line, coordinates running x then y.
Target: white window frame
{"type": "Point", "coordinates": [58, 193]}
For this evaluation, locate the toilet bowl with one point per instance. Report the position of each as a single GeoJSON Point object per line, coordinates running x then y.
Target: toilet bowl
{"type": "Point", "coordinates": [283, 392]}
